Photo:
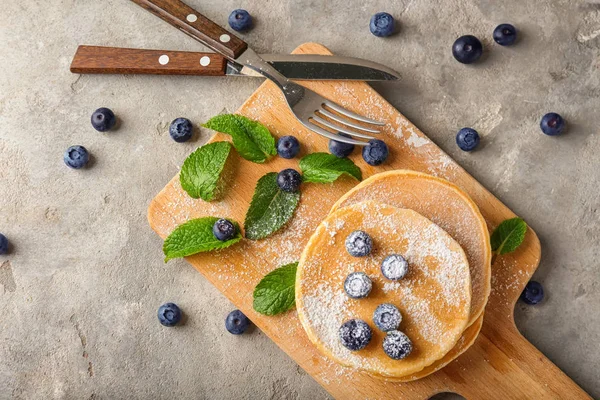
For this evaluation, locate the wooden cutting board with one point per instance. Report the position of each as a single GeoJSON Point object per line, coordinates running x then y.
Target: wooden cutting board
{"type": "Point", "coordinates": [501, 364]}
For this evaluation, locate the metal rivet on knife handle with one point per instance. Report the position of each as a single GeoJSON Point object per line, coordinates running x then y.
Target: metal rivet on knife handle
{"type": "Point", "coordinates": [163, 60]}
{"type": "Point", "coordinates": [205, 61]}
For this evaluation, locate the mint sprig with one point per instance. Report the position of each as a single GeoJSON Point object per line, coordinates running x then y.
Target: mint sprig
{"type": "Point", "coordinates": [508, 236]}
{"type": "Point", "coordinates": [270, 208]}
{"type": "Point", "coordinates": [276, 293]}
{"type": "Point", "coordinates": [202, 169]}
{"type": "Point", "coordinates": [326, 168]}
{"type": "Point", "coordinates": [196, 236]}
{"type": "Point", "coordinates": [251, 139]}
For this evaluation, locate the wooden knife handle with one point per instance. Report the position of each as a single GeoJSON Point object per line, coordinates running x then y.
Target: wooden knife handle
{"type": "Point", "coordinates": [114, 60]}
{"type": "Point", "coordinates": [196, 25]}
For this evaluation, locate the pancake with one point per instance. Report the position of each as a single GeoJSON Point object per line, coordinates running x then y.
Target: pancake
{"type": "Point", "coordinates": [434, 298]}
{"type": "Point", "coordinates": [446, 205]}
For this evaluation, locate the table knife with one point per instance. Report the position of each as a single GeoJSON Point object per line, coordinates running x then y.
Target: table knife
{"type": "Point", "coordinates": [202, 29]}
{"type": "Point", "coordinates": [306, 105]}
{"type": "Point", "coordinates": [115, 60]}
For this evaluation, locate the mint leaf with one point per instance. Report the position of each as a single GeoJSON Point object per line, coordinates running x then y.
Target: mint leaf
{"type": "Point", "coordinates": [275, 293]}
{"type": "Point", "coordinates": [508, 236]}
{"type": "Point", "coordinates": [326, 168]}
{"type": "Point", "coordinates": [196, 236]}
{"type": "Point", "coordinates": [251, 139]}
{"type": "Point", "coordinates": [201, 171]}
{"type": "Point", "coordinates": [270, 208]}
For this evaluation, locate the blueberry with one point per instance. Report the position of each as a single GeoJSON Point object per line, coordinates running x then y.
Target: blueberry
{"type": "Point", "coordinates": [376, 152]}
{"type": "Point", "coordinates": [240, 20]}
{"type": "Point", "coordinates": [341, 149]}
{"type": "Point", "coordinates": [103, 119]}
{"type": "Point", "coordinates": [397, 345]}
{"type": "Point", "coordinates": [355, 334]}
{"type": "Point", "coordinates": [552, 124]}
{"type": "Point", "coordinates": [236, 322]}
{"type": "Point", "coordinates": [169, 314]}
{"type": "Point", "coordinates": [181, 130]}
{"type": "Point", "coordinates": [467, 49]}
{"type": "Point", "coordinates": [3, 244]}
{"type": "Point", "coordinates": [394, 267]}
{"type": "Point", "coordinates": [505, 34]}
{"type": "Point", "coordinates": [387, 317]}
{"type": "Point", "coordinates": [359, 244]}
{"type": "Point", "coordinates": [76, 157]}
{"type": "Point", "coordinates": [223, 230]}
{"type": "Point", "coordinates": [467, 139]}
{"type": "Point", "coordinates": [358, 285]}
{"type": "Point", "coordinates": [288, 147]}
{"type": "Point", "coordinates": [289, 180]}
{"type": "Point", "coordinates": [533, 293]}
{"type": "Point", "coordinates": [382, 24]}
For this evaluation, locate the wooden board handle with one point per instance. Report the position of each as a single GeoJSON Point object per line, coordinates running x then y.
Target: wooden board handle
{"type": "Point", "coordinates": [115, 60]}
{"type": "Point", "coordinates": [502, 364]}
{"type": "Point", "coordinates": [196, 25]}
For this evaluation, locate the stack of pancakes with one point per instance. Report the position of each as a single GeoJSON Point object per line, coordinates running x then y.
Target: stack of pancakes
{"type": "Point", "coordinates": [443, 236]}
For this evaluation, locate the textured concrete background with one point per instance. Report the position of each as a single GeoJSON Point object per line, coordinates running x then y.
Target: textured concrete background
{"type": "Point", "coordinates": [79, 291]}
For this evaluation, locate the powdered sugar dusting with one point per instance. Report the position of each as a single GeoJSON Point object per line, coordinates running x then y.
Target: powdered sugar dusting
{"type": "Point", "coordinates": [417, 141]}
{"type": "Point", "coordinates": [424, 244]}
{"type": "Point", "coordinates": [432, 297]}
{"type": "Point", "coordinates": [326, 309]}
{"type": "Point", "coordinates": [440, 203]}
{"type": "Point", "coordinates": [389, 286]}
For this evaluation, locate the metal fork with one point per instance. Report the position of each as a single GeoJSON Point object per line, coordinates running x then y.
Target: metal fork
{"type": "Point", "coordinates": [310, 107]}
{"type": "Point", "coordinates": [306, 105]}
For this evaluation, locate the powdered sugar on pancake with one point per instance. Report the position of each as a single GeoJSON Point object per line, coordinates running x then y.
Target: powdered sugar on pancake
{"type": "Point", "coordinates": [433, 298]}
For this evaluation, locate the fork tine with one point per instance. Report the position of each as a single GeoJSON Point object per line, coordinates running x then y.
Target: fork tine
{"type": "Point", "coordinates": [350, 114]}
{"type": "Point", "coordinates": [332, 136]}
{"type": "Point", "coordinates": [346, 122]}
{"type": "Point", "coordinates": [340, 128]}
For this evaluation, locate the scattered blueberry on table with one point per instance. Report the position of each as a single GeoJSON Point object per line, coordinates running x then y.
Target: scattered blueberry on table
{"type": "Point", "coordinates": [3, 244]}
{"type": "Point", "coordinates": [76, 157]}
{"type": "Point", "coordinates": [240, 20]}
{"type": "Point", "coordinates": [358, 285]}
{"type": "Point", "coordinates": [376, 152]}
{"type": "Point", "coordinates": [505, 34]}
{"type": "Point", "coordinates": [103, 119]}
{"type": "Point", "coordinates": [355, 334]}
{"type": "Point", "coordinates": [467, 139]}
{"type": "Point", "coordinates": [359, 244]}
{"type": "Point", "coordinates": [552, 124]}
{"type": "Point", "coordinates": [341, 149]}
{"type": "Point", "coordinates": [224, 230]}
{"type": "Point", "coordinates": [288, 147]}
{"type": "Point", "coordinates": [533, 293]}
{"type": "Point", "coordinates": [387, 317]}
{"type": "Point", "coordinates": [394, 267]}
{"type": "Point", "coordinates": [382, 24]}
{"type": "Point", "coordinates": [236, 322]}
{"type": "Point", "coordinates": [289, 180]}
{"type": "Point", "coordinates": [181, 130]}
{"type": "Point", "coordinates": [397, 345]}
{"type": "Point", "coordinates": [169, 314]}
{"type": "Point", "coordinates": [467, 49]}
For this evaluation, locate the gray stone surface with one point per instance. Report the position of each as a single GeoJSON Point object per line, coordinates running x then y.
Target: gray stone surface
{"type": "Point", "coordinates": [80, 289]}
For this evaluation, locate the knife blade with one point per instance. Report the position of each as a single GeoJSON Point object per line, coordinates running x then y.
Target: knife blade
{"type": "Point", "coordinates": [114, 60]}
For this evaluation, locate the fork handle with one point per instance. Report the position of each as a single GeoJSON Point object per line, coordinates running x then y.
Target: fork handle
{"type": "Point", "coordinates": [191, 22]}
{"type": "Point", "coordinates": [115, 60]}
